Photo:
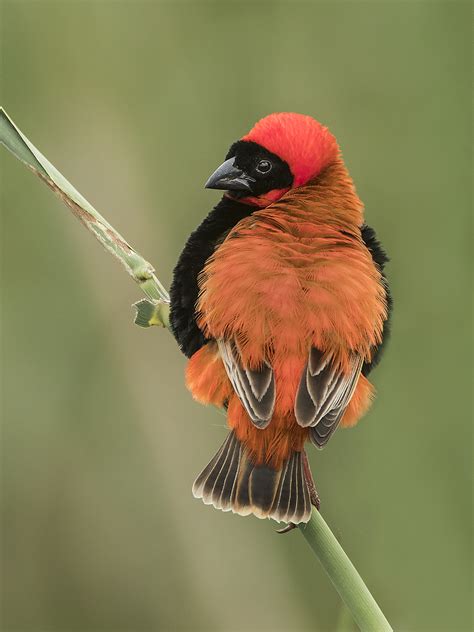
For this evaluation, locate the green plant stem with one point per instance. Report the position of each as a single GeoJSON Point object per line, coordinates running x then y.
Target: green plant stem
{"type": "Point", "coordinates": [138, 268]}
{"type": "Point", "coordinates": [343, 575]}
{"type": "Point", "coordinates": [346, 579]}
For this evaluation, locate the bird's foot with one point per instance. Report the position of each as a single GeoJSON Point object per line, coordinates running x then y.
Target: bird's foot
{"type": "Point", "coordinates": [314, 497]}
{"type": "Point", "coordinates": [313, 492]}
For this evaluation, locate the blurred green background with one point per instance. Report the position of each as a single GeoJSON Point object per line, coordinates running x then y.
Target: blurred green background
{"type": "Point", "coordinates": [137, 103]}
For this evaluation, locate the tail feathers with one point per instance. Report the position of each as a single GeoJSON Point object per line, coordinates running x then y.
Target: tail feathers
{"type": "Point", "coordinates": [232, 482]}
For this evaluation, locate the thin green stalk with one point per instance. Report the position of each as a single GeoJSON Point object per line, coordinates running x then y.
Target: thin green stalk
{"type": "Point", "coordinates": [155, 311]}
{"type": "Point", "coordinates": [344, 576]}
{"type": "Point", "coordinates": [138, 268]}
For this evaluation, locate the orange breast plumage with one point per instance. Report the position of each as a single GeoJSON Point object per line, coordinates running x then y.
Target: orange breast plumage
{"type": "Point", "coordinates": [289, 276]}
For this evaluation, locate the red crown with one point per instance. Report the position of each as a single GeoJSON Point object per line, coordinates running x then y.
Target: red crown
{"type": "Point", "coordinates": [301, 141]}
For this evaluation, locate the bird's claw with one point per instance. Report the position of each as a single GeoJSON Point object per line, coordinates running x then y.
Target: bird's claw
{"type": "Point", "coordinates": [315, 500]}
{"type": "Point", "coordinates": [289, 527]}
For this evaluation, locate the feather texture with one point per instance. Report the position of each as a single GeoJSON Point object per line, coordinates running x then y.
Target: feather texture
{"type": "Point", "coordinates": [254, 387]}
{"type": "Point", "coordinates": [232, 481]}
{"type": "Point", "coordinates": [324, 392]}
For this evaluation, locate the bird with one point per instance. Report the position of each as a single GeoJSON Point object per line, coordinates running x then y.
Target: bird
{"type": "Point", "coordinates": [281, 304]}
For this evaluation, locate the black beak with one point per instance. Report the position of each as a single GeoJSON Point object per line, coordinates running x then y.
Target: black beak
{"type": "Point", "coordinates": [230, 178]}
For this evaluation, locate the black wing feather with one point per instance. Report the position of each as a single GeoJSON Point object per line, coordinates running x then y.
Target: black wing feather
{"type": "Point", "coordinates": [323, 394]}
{"type": "Point", "coordinates": [184, 289]}
{"type": "Point", "coordinates": [254, 387]}
{"type": "Point", "coordinates": [380, 258]}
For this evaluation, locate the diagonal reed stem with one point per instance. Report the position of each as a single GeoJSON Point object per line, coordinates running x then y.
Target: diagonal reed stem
{"type": "Point", "coordinates": [155, 311]}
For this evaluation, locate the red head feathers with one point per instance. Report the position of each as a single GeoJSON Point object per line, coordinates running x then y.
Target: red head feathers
{"type": "Point", "coordinates": [301, 141]}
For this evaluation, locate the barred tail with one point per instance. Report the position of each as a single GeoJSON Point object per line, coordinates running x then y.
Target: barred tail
{"type": "Point", "coordinates": [232, 482]}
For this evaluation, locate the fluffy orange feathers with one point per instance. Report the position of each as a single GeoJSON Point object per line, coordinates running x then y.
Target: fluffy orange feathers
{"type": "Point", "coordinates": [287, 277]}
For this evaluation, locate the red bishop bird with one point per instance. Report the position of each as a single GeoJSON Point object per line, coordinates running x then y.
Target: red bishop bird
{"type": "Point", "coordinates": [280, 302]}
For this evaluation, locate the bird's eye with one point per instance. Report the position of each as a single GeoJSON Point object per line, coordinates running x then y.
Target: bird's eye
{"type": "Point", "coordinates": [264, 166]}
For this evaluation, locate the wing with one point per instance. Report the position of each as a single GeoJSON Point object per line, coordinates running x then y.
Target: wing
{"type": "Point", "coordinates": [323, 395]}
{"type": "Point", "coordinates": [380, 258]}
{"type": "Point", "coordinates": [184, 289]}
{"type": "Point", "coordinates": [255, 388]}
